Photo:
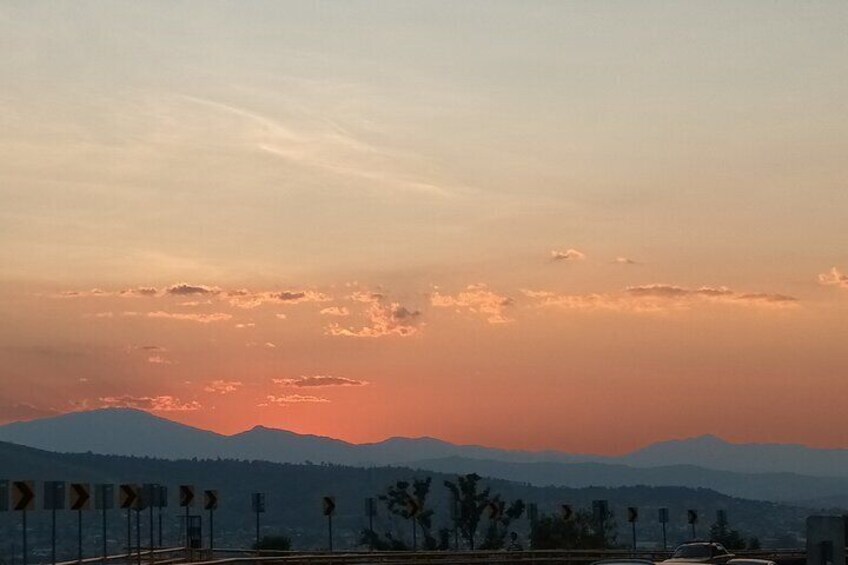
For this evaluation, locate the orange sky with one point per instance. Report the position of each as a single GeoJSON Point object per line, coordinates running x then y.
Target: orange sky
{"type": "Point", "coordinates": [534, 225]}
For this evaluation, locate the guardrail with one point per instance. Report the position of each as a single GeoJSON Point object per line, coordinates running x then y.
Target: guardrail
{"type": "Point", "coordinates": [530, 557]}
{"type": "Point", "coordinates": [236, 556]}
{"type": "Point", "coordinates": [160, 556]}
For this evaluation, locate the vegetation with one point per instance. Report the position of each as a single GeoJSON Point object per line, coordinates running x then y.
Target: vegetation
{"type": "Point", "coordinates": [294, 493]}
{"type": "Point", "coordinates": [501, 516]}
{"type": "Point", "coordinates": [579, 532]}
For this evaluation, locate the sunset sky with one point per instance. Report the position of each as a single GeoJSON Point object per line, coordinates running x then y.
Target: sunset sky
{"type": "Point", "coordinates": [584, 226]}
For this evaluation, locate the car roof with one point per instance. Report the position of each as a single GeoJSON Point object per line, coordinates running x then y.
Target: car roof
{"type": "Point", "coordinates": [623, 560]}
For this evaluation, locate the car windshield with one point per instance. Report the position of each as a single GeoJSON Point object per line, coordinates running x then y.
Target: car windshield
{"type": "Point", "coordinates": [692, 552]}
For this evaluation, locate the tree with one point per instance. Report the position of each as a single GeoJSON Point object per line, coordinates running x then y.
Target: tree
{"type": "Point", "coordinates": [578, 532]}
{"type": "Point", "coordinates": [469, 504]}
{"type": "Point", "coordinates": [501, 517]}
{"type": "Point", "coordinates": [411, 505]}
{"type": "Point", "coordinates": [722, 533]}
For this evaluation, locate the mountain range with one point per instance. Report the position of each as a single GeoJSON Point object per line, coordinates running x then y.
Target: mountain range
{"type": "Point", "coordinates": [775, 472]}
{"type": "Point", "coordinates": [294, 493]}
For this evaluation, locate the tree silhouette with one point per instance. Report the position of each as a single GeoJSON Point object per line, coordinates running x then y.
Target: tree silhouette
{"type": "Point", "coordinates": [501, 516]}
{"type": "Point", "coordinates": [469, 505]}
{"type": "Point", "coordinates": [408, 501]}
{"type": "Point", "coordinates": [578, 532]}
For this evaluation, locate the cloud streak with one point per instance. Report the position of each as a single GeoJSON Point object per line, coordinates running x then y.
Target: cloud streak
{"type": "Point", "coordinates": [319, 381]}
{"type": "Point", "coordinates": [834, 277]}
{"type": "Point", "coordinates": [567, 255]}
{"type": "Point", "coordinates": [478, 299]}
{"type": "Point", "coordinates": [162, 403]}
{"type": "Point", "coordinates": [657, 298]}
{"type": "Point", "coordinates": [220, 386]}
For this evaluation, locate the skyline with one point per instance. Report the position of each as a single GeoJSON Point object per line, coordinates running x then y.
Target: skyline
{"type": "Point", "coordinates": [581, 227]}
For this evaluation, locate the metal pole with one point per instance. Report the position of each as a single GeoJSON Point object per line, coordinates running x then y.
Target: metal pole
{"type": "Point", "coordinates": [138, 535]}
{"type": "Point", "coordinates": [160, 526]}
{"type": "Point", "coordinates": [257, 529]}
{"type": "Point", "coordinates": [693, 531]}
{"type": "Point", "coordinates": [211, 532]}
{"type": "Point", "coordinates": [79, 536]}
{"type": "Point", "coordinates": [665, 544]}
{"type": "Point", "coordinates": [24, 513]}
{"type": "Point", "coordinates": [53, 535]}
{"type": "Point", "coordinates": [129, 534]}
{"type": "Point", "coordinates": [371, 524]}
{"type": "Point", "coordinates": [634, 538]}
{"type": "Point", "coordinates": [330, 529]}
{"type": "Point", "coordinates": [414, 535]}
{"type": "Point", "coordinates": [105, 549]}
{"type": "Point", "coordinates": [151, 528]}
{"type": "Point", "coordinates": [186, 527]}
{"type": "Point", "coordinates": [603, 532]}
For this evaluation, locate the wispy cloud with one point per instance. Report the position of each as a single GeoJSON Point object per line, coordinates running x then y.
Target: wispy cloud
{"type": "Point", "coordinates": [158, 360]}
{"type": "Point", "coordinates": [567, 255]}
{"type": "Point", "coordinates": [182, 316]}
{"type": "Point", "coordinates": [162, 403]}
{"type": "Point", "coordinates": [21, 411]}
{"type": "Point", "coordinates": [657, 298]}
{"type": "Point", "coordinates": [294, 399]}
{"type": "Point", "coordinates": [326, 147]}
{"type": "Point", "coordinates": [319, 381]}
{"type": "Point", "coordinates": [186, 289]}
{"type": "Point", "coordinates": [479, 299]}
{"type": "Point", "coordinates": [383, 319]}
{"type": "Point", "coordinates": [834, 277]}
{"type": "Point", "coordinates": [220, 386]}
{"type": "Point", "coordinates": [339, 311]}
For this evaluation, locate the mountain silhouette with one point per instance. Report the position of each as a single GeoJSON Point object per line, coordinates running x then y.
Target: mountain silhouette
{"type": "Point", "coordinates": [761, 471]}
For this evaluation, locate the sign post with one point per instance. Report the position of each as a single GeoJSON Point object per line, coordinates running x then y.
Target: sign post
{"type": "Point", "coordinates": [161, 502]}
{"type": "Point", "coordinates": [141, 503]}
{"type": "Point", "coordinates": [257, 502]}
{"type": "Point", "coordinates": [54, 499]}
{"type": "Point", "coordinates": [210, 503]}
{"type": "Point", "coordinates": [370, 512]}
{"type": "Point", "coordinates": [23, 500]}
{"type": "Point", "coordinates": [663, 517]}
{"type": "Point", "coordinates": [692, 518]}
{"type": "Point", "coordinates": [329, 507]}
{"type": "Point", "coordinates": [128, 500]}
{"type": "Point", "coordinates": [80, 500]}
{"type": "Point", "coordinates": [413, 507]}
{"type": "Point", "coordinates": [600, 509]}
{"type": "Point", "coordinates": [186, 501]}
{"type": "Point", "coordinates": [104, 499]}
{"type": "Point", "coordinates": [633, 517]}
{"type": "Point", "coordinates": [148, 493]}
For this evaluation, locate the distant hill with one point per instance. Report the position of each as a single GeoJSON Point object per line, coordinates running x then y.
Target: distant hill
{"type": "Point", "coordinates": [715, 453]}
{"type": "Point", "coordinates": [781, 487]}
{"type": "Point", "coordinates": [294, 493]}
{"type": "Point", "coordinates": [123, 431]}
{"type": "Point", "coordinates": [771, 472]}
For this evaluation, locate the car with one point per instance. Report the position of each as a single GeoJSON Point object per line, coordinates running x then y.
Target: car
{"type": "Point", "coordinates": [749, 561]}
{"type": "Point", "coordinates": [700, 552]}
{"type": "Point", "coordinates": [623, 561]}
